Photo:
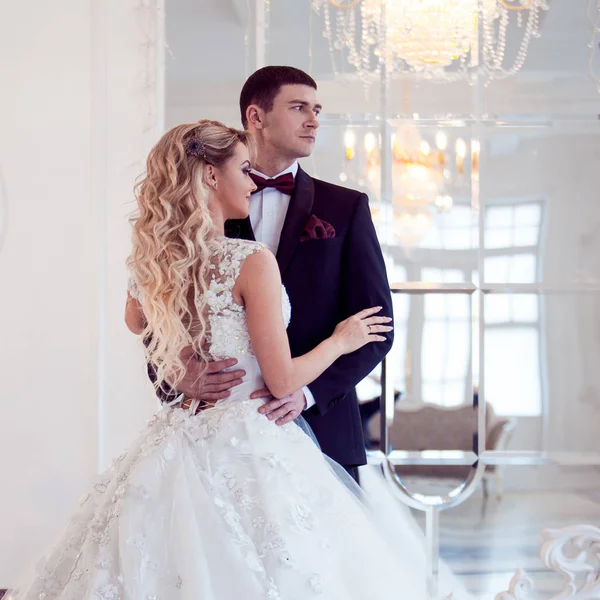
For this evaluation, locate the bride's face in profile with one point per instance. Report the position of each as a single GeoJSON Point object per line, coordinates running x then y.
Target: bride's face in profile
{"type": "Point", "coordinates": [234, 185]}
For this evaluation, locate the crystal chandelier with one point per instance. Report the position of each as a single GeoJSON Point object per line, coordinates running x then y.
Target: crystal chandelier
{"type": "Point", "coordinates": [420, 173]}
{"type": "Point", "coordinates": [436, 38]}
{"type": "Point", "coordinates": [418, 184]}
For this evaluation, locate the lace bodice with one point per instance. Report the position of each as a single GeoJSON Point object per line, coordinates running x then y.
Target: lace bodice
{"type": "Point", "coordinates": [229, 330]}
{"type": "Point", "coordinates": [229, 337]}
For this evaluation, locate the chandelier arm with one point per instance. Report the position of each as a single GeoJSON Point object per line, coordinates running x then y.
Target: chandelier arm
{"type": "Point", "coordinates": [507, 4]}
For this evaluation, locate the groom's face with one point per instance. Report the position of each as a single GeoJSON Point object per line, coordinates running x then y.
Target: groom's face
{"type": "Point", "coordinates": [291, 126]}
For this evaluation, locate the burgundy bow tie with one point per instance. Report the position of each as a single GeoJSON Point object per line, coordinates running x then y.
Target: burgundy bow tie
{"type": "Point", "coordinates": [284, 183]}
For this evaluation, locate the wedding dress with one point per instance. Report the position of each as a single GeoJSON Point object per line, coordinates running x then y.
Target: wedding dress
{"type": "Point", "coordinates": [224, 504]}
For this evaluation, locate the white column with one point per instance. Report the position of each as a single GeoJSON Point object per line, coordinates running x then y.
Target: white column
{"type": "Point", "coordinates": [78, 111]}
{"type": "Point", "coordinates": [134, 116]}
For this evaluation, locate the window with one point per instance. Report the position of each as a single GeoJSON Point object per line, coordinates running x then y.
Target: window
{"type": "Point", "coordinates": [434, 342]}
{"type": "Point", "coordinates": [445, 347]}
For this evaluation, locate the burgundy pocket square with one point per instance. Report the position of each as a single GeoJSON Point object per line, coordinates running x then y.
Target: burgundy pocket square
{"type": "Point", "coordinates": [317, 229]}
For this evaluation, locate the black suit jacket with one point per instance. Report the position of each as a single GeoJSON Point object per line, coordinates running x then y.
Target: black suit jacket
{"type": "Point", "coordinates": [327, 281]}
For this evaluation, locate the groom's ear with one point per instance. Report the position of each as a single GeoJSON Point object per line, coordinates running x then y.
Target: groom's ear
{"type": "Point", "coordinates": [254, 115]}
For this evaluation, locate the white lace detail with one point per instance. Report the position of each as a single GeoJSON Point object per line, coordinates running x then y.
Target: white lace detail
{"type": "Point", "coordinates": [229, 330]}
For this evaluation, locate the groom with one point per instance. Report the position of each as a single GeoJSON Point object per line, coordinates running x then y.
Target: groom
{"type": "Point", "coordinates": [328, 254]}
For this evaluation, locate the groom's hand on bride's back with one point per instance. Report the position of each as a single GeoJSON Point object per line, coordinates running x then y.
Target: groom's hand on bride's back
{"type": "Point", "coordinates": [214, 384]}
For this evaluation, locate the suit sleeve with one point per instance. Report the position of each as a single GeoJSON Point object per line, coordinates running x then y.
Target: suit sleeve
{"type": "Point", "coordinates": [364, 284]}
{"type": "Point", "coordinates": [164, 392]}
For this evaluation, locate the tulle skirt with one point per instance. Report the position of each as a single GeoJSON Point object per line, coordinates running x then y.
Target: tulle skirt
{"type": "Point", "coordinates": [224, 505]}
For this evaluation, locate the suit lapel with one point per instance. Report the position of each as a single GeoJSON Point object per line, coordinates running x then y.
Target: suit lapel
{"type": "Point", "coordinates": [240, 228]}
{"type": "Point", "coordinates": [299, 211]}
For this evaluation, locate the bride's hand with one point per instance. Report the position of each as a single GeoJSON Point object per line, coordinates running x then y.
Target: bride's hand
{"type": "Point", "coordinates": [361, 329]}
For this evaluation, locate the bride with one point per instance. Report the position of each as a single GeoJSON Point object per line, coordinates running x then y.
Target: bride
{"type": "Point", "coordinates": [217, 502]}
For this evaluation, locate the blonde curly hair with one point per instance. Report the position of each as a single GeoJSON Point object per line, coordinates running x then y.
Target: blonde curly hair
{"type": "Point", "coordinates": [174, 240]}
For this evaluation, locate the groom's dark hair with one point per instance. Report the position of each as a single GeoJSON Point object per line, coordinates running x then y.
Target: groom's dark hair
{"type": "Point", "coordinates": [263, 85]}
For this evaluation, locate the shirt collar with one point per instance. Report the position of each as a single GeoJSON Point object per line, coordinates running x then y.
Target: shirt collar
{"type": "Point", "coordinates": [293, 169]}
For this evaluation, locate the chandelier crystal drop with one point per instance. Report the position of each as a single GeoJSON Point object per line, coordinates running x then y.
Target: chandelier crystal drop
{"type": "Point", "coordinates": [439, 39]}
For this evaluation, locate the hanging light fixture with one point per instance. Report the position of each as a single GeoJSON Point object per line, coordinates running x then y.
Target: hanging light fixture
{"type": "Point", "coordinates": [436, 38]}
{"type": "Point", "coordinates": [419, 171]}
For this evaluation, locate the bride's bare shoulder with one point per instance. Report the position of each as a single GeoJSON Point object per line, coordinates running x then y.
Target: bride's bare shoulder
{"type": "Point", "coordinates": [259, 271]}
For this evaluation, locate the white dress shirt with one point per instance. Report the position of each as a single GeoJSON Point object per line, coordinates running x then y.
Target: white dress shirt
{"type": "Point", "coordinates": [268, 209]}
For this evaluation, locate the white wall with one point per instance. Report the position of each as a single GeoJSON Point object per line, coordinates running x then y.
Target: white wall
{"type": "Point", "coordinates": [77, 114]}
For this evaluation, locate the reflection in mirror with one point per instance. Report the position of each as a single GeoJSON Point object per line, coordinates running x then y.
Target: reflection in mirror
{"type": "Point", "coordinates": [512, 344]}
{"type": "Point", "coordinates": [549, 345]}
{"type": "Point", "coordinates": [486, 542]}
{"type": "Point", "coordinates": [416, 434]}
{"type": "Point", "coordinates": [540, 224]}
{"type": "Point", "coordinates": [430, 366]}
{"type": "Point", "coordinates": [436, 481]}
